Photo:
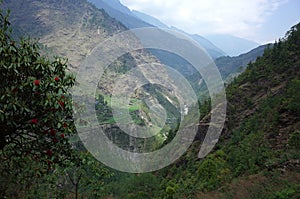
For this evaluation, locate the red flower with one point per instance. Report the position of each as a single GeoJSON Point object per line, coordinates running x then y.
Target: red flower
{"type": "Point", "coordinates": [36, 82]}
{"type": "Point", "coordinates": [62, 136]}
{"type": "Point", "coordinates": [65, 125]}
{"type": "Point", "coordinates": [55, 140]}
{"type": "Point", "coordinates": [49, 152]}
{"type": "Point", "coordinates": [62, 104]}
{"type": "Point", "coordinates": [56, 79]}
{"type": "Point", "coordinates": [34, 121]}
{"type": "Point", "coordinates": [63, 97]}
{"type": "Point", "coordinates": [52, 132]}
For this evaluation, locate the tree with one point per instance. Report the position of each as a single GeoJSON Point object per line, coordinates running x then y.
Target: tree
{"type": "Point", "coordinates": [35, 104]}
{"type": "Point", "coordinates": [86, 178]}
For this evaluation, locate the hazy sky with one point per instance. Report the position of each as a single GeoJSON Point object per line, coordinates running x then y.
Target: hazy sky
{"type": "Point", "coordinates": [258, 20]}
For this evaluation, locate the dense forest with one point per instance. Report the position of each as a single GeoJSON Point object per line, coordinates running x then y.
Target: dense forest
{"type": "Point", "coordinates": [257, 155]}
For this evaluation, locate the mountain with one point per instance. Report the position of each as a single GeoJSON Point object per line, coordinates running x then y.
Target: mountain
{"type": "Point", "coordinates": [149, 19]}
{"type": "Point", "coordinates": [215, 45]}
{"type": "Point", "coordinates": [136, 19]}
{"type": "Point", "coordinates": [229, 67]}
{"type": "Point", "coordinates": [73, 32]}
{"type": "Point", "coordinates": [211, 49]}
{"type": "Point", "coordinates": [114, 4]}
{"type": "Point", "coordinates": [259, 144]}
{"type": "Point", "coordinates": [121, 13]}
{"type": "Point", "coordinates": [257, 155]}
{"type": "Point", "coordinates": [69, 28]}
{"type": "Point", "coordinates": [231, 45]}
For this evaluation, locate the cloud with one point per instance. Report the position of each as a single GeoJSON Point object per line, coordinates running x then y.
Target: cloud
{"type": "Point", "coordinates": [236, 17]}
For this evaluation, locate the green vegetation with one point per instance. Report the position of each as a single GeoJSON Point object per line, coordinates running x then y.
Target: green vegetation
{"type": "Point", "coordinates": [257, 153]}
{"type": "Point", "coordinates": [257, 156]}
{"type": "Point", "coordinates": [37, 159]}
{"type": "Point", "coordinates": [35, 104]}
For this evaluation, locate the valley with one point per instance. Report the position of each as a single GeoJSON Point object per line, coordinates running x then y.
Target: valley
{"type": "Point", "coordinates": [256, 155]}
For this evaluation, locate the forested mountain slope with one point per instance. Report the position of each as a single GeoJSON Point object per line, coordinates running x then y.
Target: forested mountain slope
{"type": "Point", "coordinates": [257, 155]}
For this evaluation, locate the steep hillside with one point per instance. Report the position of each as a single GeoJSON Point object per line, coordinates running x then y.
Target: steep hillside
{"type": "Point", "coordinates": [262, 137]}
{"type": "Point", "coordinates": [69, 28]}
{"type": "Point", "coordinates": [72, 29]}
{"type": "Point", "coordinates": [270, 84]}
{"type": "Point", "coordinates": [257, 155]}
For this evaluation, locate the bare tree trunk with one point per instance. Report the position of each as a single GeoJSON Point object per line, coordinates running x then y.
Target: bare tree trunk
{"type": "Point", "coordinates": [76, 190]}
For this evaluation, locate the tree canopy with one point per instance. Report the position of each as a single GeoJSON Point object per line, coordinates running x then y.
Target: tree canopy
{"type": "Point", "coordinates": [35, 104]}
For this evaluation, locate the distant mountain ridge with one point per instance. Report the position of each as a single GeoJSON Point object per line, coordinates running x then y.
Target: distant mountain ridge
{"type": "Point", "coordinates": [231, 45]}
{"type": "Point", "coordinates": [215, 45]}
{"type": "Point", "coordinates": [121, 13]}
{"type": "Point", "coordinates": [136, 19]}
{"type": "Point", "coordinates": [211, 49]}
{"type": "Point", "coordinates": [149, 19]}
{"type": "Point", "coordinates": [117, 5]}
{"type": "Point", "coordinates": [230, 67]}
